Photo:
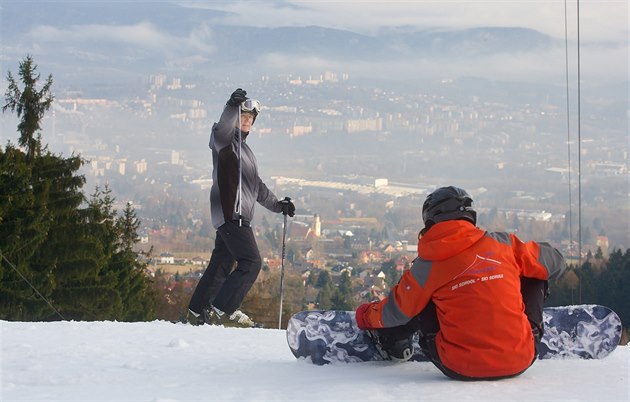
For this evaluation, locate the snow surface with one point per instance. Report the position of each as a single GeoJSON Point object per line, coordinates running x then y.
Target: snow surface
{"type": "Point", "coordinates": [160, 361]}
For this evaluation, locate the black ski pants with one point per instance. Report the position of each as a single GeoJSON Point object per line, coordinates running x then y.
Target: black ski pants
{"type": "Point", "coordinates": [221, 285]}
{"type": "Point", "coordinates": [427, 325]}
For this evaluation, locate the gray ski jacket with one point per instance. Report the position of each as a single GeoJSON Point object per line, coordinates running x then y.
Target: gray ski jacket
{"type": "Point", "coordinates": [224, 197]}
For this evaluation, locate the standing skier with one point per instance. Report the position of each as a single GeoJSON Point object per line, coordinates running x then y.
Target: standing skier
{"type": "Point", "coordinates": [475, 298]}
{"type": "Point", "coordinates": [236, 187]}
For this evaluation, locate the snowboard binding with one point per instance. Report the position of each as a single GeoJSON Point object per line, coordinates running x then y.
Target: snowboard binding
{"type": "Point", "coordinates": [400, 350]}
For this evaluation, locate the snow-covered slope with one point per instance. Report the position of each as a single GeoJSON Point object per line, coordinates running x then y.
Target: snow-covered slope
{"type": "Point", "coordinates": [160, 361]}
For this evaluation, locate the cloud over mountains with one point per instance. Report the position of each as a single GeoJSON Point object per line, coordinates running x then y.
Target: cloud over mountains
{"type": "Point", "coordinates": [139, 38]}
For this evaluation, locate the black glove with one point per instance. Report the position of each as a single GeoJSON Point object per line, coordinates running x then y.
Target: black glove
{"type": "Point", "coordinates": [287, 207]}
{"type": "Point", "coordinates": [239, 96]}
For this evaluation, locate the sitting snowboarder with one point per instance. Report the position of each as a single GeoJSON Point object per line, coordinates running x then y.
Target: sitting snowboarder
{"type": "Point", "coordinates": [474, 297]}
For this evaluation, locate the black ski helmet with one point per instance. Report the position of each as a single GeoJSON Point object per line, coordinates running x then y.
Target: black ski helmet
{"type": "Point", "coordinates": [447, 204]}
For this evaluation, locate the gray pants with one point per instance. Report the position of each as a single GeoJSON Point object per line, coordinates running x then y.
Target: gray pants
{"type": "Point", "coordinates": [220, 285]}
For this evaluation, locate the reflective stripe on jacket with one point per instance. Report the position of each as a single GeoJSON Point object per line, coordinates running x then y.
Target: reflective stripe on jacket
{"type": "Point", "coordinates": [473, 277]}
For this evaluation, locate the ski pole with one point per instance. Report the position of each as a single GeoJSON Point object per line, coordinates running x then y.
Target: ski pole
{"type": "Point", "coordinates": [240, 167]}
{"type": "Point", "coordinates": [284, 234]}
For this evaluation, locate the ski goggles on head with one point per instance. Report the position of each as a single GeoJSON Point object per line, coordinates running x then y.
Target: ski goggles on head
{"type": "Point", "coordinates": [251, 105]}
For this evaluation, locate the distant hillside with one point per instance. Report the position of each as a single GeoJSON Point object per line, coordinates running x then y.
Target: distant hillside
{"type": "Point", "coordinates": [115, 39]}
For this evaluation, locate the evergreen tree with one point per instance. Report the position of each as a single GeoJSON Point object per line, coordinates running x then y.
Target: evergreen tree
{"type": "Point", "coordinates": [325, 294]}
{"type": "Point", "coordinates": [389, 269]}
{"type": "Point", "coordinates": [78, 258]}
{"type": "Point", "coordinates": [128, 225]}
{"type": "Point", "coordinates": [325, 297]}
{"type": "Point", "coordinates": [21, 232]}
{"type": "Point", "coordinates": [85, 289]}
{"type": "Point", "coordinates": [29, 104]}
{"type": "Point", "coordinates": [589, 284]}
{"type": "Point", "coordinates": [599, 254]}
{"type": "Point", "coordinates": [24, 224]}
{"type": "Point", "coordinates": [323, 280]}
{"type": "Point", "coordinates": [613, 284]}
{"type": "Point", "coordinates": [25, 214]}
{"type": "Point", "coordinates": [345, 284]}
{"type": "Point", "coordinates": [67, 251]}
{"type": "Point", "coordinates": [338, 301]}
{"type": "Point", "coordinates": [342, 296]}
{"type": "Point", "coordinates": [123, 279]}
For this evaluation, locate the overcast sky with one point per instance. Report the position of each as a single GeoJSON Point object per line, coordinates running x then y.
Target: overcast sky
{"type": "Point", "coordinates": [600, 20]}
{"type": "Point", "coordinates": [603, 34]}
{"type": "Point", "coordinates": [603, 30]}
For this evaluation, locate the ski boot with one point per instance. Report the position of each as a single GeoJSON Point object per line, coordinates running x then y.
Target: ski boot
{"type": "Point", "coordinates": [236, 319]}
{"type": "Point", "coordinates": [196, 319]}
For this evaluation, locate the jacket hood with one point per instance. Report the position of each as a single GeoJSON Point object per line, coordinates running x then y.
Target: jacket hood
{"type": "Point", "coordinates": [446, 239]}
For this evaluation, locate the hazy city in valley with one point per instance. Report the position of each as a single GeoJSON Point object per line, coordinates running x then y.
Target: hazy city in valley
{"type": "Point", "coordinates": [358, 125]}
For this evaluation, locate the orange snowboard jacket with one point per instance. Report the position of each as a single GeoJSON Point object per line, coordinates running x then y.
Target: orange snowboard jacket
{"type": "Point", "coordinates": [473, 277]}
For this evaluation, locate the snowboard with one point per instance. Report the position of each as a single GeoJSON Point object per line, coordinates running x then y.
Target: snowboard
{"type": "Point", "coordinates": [582, 331]}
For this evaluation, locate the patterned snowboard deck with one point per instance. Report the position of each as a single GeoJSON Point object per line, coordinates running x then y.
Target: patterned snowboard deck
{"type": "Point", "coordinates": [584, 331]}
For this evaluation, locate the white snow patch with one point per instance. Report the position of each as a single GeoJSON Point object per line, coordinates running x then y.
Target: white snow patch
{"type": "Point", "coordinates": [164, 362]}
